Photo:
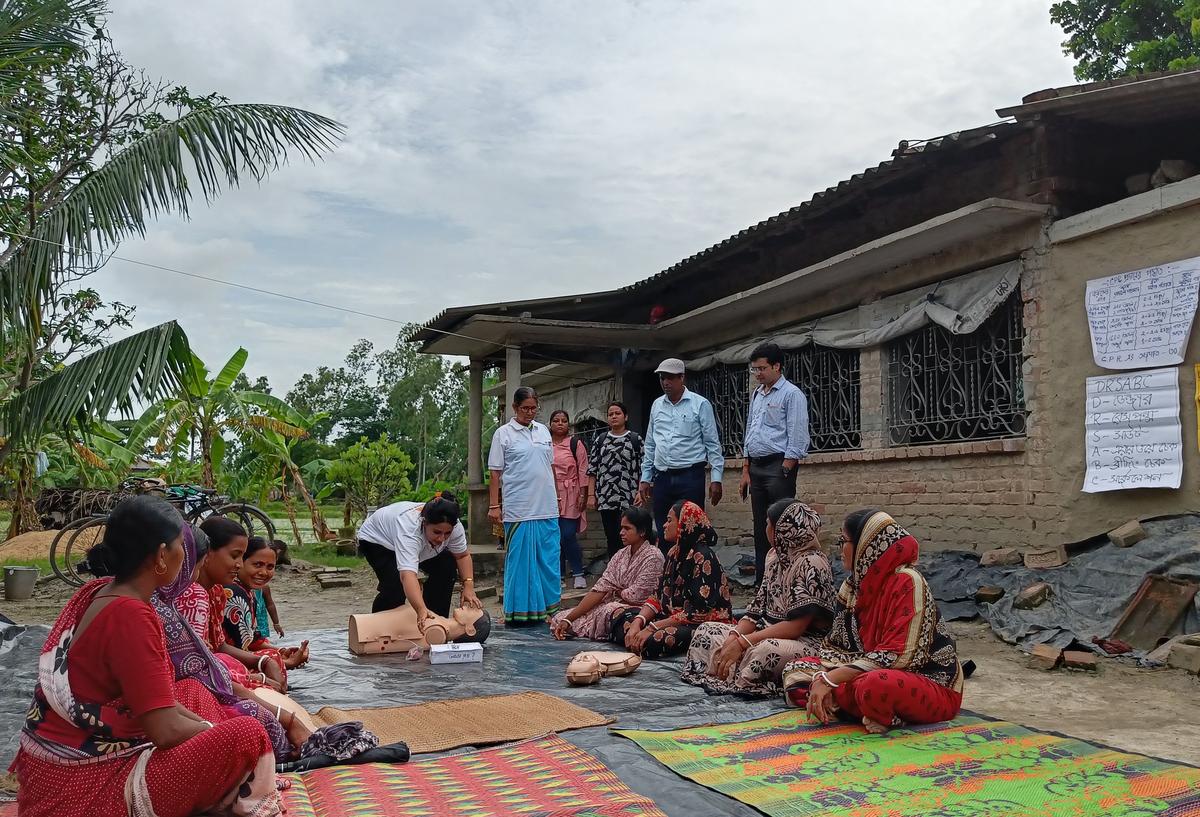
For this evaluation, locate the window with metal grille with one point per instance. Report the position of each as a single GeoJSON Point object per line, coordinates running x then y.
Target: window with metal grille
{"type": "Point", "coordinates": [829, 378]}
{"type": "Point", "coordinates": [946, 388]}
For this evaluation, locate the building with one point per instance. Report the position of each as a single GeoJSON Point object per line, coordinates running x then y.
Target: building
{"type": "Point", "coordinates": [932, 307]}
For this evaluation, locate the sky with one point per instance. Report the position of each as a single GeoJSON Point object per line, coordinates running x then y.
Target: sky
{"type": "Point", "coordinates": [509, 150]}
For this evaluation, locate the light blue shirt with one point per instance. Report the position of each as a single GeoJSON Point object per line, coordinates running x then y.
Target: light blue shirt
{"type": "Point", "coordinates": [524, 456]}
{"type": "Point", "coordinates": [778, 422]}
{"type": "Point", "coordinates": [682, 434]}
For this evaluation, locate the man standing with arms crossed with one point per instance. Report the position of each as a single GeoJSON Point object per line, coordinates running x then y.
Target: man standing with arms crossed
{"type": "Point", "coordinates": [776, 440]}
{"type": "Point", "coordinates": [681, 439]}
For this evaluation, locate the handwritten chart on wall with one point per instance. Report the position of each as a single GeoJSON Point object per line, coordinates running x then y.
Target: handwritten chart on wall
{"type": "Point", "coordinates": [1134, 438]}
{"type": "Point", "coordinates": [1142, 318]}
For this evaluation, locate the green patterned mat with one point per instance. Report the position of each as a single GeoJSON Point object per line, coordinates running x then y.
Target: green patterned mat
{"type": "Point", "coordinates": [971, 767]}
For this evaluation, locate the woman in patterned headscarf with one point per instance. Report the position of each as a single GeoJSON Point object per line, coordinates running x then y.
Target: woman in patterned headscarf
{"type": "Point", "coordinates": [692, 590]}
{"type": "Point", "coordinates": [789, 615]}
{"type": "Point", "coordinates": [888, 659]}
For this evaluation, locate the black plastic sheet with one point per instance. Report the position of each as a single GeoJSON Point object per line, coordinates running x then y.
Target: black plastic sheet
{"type": "Point", "coordinates": [1090, 592]}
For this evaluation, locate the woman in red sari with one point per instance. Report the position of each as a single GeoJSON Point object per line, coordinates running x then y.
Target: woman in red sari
{"type": "Point", "coordinates": [888, 659]}
{"type": "Point", "coordinates": [111, 732]}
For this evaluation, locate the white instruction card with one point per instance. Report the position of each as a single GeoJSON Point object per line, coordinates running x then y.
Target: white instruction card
{"type": "Point", "coordinates": [1133, 434]}
{"type": "Point", "coordinates": [1142, 319]}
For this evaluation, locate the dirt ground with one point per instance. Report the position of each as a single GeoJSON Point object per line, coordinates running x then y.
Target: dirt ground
{"type": "Point", "coordinates": [1151, 712]}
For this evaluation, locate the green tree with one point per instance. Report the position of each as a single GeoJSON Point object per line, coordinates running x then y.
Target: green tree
{"type": "Point", "coordinates": [1114, 38]}
{"type": "Point", "coordinates": [372, 473]}
{"type": "Point", "coordinates": [89, 154]}
{"type": "Point", "coordinates": [272, 438]}
{"type": "Point", "coordinates": [204, 408]}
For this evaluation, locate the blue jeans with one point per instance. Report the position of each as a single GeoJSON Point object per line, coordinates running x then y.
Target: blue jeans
{"type": "Point", "coordinates": [669, 489]}
{"type": "Point", "coordinates": [568, 531]}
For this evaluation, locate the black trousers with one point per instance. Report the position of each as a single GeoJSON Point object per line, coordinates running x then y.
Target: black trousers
{"type": "Point", "coordinates": [669, 488]}
{"type": "Point", "coordinates": [611, 518]}
{"type": "Point", "coordinates": [440, 572]}
{"type": "Point", "coordinates": [768, 485]}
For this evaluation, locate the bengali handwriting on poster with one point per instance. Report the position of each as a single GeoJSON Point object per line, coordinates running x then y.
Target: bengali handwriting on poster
{"type": "Point", "coordinates": [1142, 318]}
{"type": "Point", "coordinates": [1133, 436]}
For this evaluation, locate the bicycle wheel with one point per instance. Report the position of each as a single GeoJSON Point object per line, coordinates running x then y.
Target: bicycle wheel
{"type": "Point", "coordinates": [60, 540]}
{"type": "Point", "coordinates": [253, 519]}
{"type": "Point", "coordinates": [81, 540]}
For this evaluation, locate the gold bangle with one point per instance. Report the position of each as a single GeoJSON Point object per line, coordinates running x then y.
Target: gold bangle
{"type": "Point", "coordinates": [469, 581]}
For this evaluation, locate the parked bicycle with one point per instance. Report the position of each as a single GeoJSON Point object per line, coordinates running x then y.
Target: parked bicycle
{"type": "Point", "coordinates": [195, 503]}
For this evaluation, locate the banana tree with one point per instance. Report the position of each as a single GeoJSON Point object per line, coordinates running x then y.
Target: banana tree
{"type": "Point", "coordinates": [273, 435]}
{"type": "Point", "coordinates": [203, 407]}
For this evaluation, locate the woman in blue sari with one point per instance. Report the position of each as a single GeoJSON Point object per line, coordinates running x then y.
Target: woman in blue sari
{"type": "Point", "coordinates": [523, 496]}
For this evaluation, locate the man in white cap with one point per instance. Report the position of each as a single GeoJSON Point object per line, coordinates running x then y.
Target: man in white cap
{"type": "Point", "coordinates": [681, 440]}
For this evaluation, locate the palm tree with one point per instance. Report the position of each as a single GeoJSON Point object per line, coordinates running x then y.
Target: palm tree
{"type": "Point", "coordinates": [209, 148]}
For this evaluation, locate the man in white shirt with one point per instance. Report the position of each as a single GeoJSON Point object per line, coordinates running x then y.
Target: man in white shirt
{"type": "Point", "coordinates": [404, 537]}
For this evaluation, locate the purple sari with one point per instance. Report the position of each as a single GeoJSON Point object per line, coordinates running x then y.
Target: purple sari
{"type": "Point", "coordinates": [192, 658]}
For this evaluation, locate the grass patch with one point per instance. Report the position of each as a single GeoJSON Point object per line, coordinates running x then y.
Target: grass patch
{"type": "Point", "coordinates": [324, 555]}
{"type": "Point", "coordinates": [43, 565]}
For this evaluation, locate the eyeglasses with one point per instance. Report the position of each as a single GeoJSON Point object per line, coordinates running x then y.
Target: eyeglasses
{"type": "Point", "coordinates": [759, 369]}
{"type": "Point", "coordinates": [527, 409]}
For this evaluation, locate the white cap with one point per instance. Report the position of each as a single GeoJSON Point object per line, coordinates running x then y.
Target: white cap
{"type": "Point", "coordinates": [671, 365]}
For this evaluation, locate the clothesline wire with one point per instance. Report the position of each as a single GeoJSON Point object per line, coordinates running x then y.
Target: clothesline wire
{"type": "Point", "coordinates": [298, 299]}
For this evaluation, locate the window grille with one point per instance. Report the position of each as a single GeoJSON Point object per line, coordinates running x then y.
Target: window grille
{"type": "Point", "coordinates": [829, 378]}
{"type": "Point", "coordinates": [946, 388]}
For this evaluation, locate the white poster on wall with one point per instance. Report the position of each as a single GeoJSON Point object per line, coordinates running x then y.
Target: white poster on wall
{"type": "Point", "coordinates": [1133, 434]}
{"type": "Point", "coordinates": [1142, 318]}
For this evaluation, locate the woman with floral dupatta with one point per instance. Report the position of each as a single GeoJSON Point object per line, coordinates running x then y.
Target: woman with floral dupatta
{"type": "Point", "coordinates": [692, 590]}
{"type": "Point", "coordinates": [790, 613]}
{"type": "Point", "coordinates": [111, 732]}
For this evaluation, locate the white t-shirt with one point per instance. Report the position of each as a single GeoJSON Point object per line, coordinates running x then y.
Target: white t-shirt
{"type": "Point", "coordinates": [398, 528]}
{"type": "Point", "coordinates": [524, 455]}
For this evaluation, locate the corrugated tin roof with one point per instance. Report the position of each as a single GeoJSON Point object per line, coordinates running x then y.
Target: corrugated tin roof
{"type": "Point", "coordinates": [1128, 101]}
{"type": "Point", "coordinates": [903, 159]}
{"type": "Point", "coordinates": [908, 156]}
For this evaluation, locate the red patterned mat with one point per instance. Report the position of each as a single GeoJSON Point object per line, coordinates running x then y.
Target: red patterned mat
{"type": "Point", "coordinates": [546, 776]}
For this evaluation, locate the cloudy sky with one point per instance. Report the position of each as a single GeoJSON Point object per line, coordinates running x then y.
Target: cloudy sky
{"type": "Point", "coordinates": [524, 149]}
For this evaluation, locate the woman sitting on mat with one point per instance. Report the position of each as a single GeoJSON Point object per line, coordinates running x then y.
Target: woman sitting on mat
{"type": "Point", "coordinates": [399, 539]}
{"type": "Point", "coordinates": [192, 658]}
{"type": "Point", "coordinates": [888, 659]}
{"type": "Point", "coordinates": [241, 615]}
{"type": "Point", "coordinates": [631, 576]}
{"type": "Point", "coordinates": [691, 591]}
{"type": "Point", "coordinates": [110, 731]}
{"type": "Point", "coordinates": [790, 613]}
{"type": "Point", "coordinates": [203, 606]}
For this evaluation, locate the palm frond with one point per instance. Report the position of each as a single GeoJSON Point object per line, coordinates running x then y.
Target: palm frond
{"type": "Point", "coordinates": [138, 367]}
{"type": "Point", "coordinates": [280, 409]}
{"type": "Point", "coordinates": [225, 145]}
{"type": "Point", "coordinates": [261, 422]}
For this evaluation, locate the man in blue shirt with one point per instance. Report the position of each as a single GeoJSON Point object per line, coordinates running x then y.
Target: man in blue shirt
{"type": "Point", "coordinates": [776, 440]}
{"type": "Point", "coordinates": [680, 441]}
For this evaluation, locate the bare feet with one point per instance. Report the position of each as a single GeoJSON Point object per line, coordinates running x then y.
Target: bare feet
{"type": "Point", "coordinates": [874, 728]}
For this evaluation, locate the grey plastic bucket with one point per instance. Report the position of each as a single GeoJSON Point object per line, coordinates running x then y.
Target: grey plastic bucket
{"type": "Point", "coordinates": [18, 582]}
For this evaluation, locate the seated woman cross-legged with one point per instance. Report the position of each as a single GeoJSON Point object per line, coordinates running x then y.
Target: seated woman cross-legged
{"type": "Point", "coordinates": [630, 578]}
{"type": "Point", "coordinates": [110, 731]}
{"type": "Point", "coordinates": [691, 591]}
{"type": "Point", "coordinates": [241, 609]}
{"type": "Point", "coordinates": [788, 617]}
{"type": "Point", "coordinates": [888, 659]}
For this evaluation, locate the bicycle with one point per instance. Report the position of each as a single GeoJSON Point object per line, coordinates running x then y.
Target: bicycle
{"type": "Point", "coordinates": [195, 504]}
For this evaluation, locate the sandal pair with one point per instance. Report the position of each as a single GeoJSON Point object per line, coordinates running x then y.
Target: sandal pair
{"type": "Point", "coordinates": [587, 668]}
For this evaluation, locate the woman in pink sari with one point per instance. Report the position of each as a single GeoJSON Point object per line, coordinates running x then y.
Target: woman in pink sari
{"type": "Point", "coordinates": [630, 578]}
